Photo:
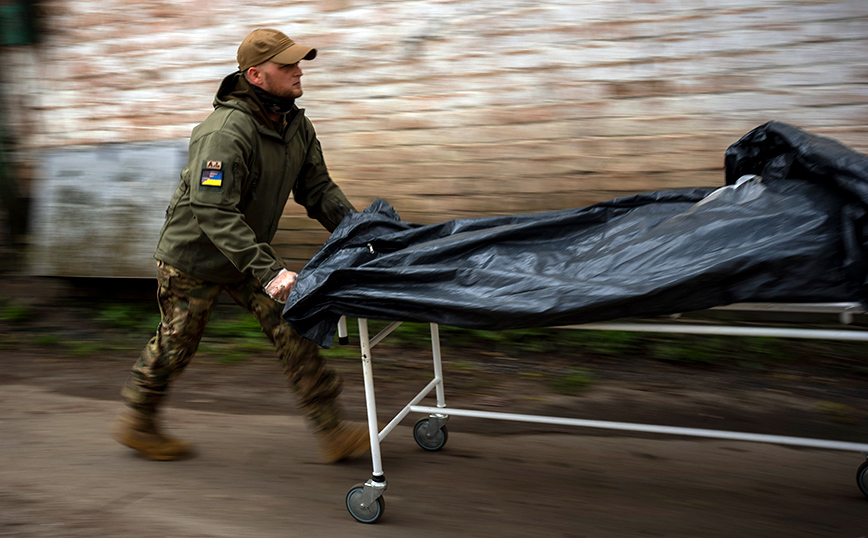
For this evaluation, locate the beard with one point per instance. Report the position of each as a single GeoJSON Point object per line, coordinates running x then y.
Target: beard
{"type": "Point", "coordinates": [289, 92]}
{"type": "Point", "coordinates": [273, 103]}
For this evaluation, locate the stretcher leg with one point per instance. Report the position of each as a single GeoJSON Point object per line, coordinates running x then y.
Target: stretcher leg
{"type": "Point", "coordinates": [365, 502]}
{"type": "Point", "coordinates": [438, 364]}
{"type": "Point", "coordinates": [430, 433]}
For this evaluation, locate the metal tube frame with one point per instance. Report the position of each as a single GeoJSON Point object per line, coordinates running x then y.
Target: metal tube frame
{"type": "Point", "coordinates": [816, 334]}
{"type": "Point", "coordinates": [441, 413]}
{"type": "Point", "coordinates": [375, 487]}
{"type": "Point", "coordinates": [370, 398]}
{"type": "Point", "coordinates": [651, 428]}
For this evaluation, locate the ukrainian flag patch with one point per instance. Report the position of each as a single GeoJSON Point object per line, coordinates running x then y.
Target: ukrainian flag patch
{"type": "Point", "coordinates": [212, 174]}
{"type": "Point", "coordinates": [212, 178]}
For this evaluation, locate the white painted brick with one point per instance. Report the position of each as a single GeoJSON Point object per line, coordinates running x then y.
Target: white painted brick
{"type": "Point", "coordinates": [476, 93]}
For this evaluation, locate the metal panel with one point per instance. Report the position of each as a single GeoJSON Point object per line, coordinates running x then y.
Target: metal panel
{"type": "Point", "coordinates": [97, 212]}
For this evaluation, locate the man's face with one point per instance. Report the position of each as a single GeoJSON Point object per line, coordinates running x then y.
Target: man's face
{"type": "Point", "coordinates": [282, 80]}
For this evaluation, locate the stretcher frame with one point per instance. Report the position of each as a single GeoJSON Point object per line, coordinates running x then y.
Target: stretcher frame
{"type": "Point", "coordinates": [365, 502]}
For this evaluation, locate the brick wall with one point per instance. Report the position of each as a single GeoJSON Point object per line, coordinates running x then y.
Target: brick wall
{"type": "Point", "coordinates": [456, 108]}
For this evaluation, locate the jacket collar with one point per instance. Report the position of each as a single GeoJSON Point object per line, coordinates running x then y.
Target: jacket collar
{"type": "Point", "coordinates": [236, 92]}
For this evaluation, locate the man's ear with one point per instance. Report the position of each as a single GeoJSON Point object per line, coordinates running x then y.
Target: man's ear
{"type": "Point", "coordinates": [254, 76]}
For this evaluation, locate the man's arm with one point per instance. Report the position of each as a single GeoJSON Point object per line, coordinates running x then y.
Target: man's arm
{"type": "Point", "coordinates": [315, 190]}
{"type": "Point", "coordinates": [219, 171]}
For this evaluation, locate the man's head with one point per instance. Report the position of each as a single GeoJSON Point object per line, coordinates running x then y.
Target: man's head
{"type": "Point", "coordinates": [270, 60]}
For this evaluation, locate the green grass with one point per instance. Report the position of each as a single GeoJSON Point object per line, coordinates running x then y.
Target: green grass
{"type": "Point", "coordinates": [235, 323]}
{"type": "Point", "coordinates": [749, 353]}
{"type": "Point", "coordinates": [464, 366]}
{"type": "Point", "coordinates": [131, 317]}
{"type": "Point", "coordinates": [840, 413]}
{"type": "Point", "coordinates": [609, 343]}
{"type": "Point", "coordinates": [573, 382]}
{"type": "Point", "coordinates": [15, 313]}
{"type": "Point", "coordinates": [232, 357]}
{"type": "Point", "coordinates": [47, 340]}
{"type": "Point", "coordinates": [252, 345]}
{"type": "Point", "coordinates": [234, 335]}
{"type": "Point", "coordinates": [690, 351]}
{"type": "Point", "coordinates": [84, 347]}
{"type": "Point", "coordinates": [341, 352]}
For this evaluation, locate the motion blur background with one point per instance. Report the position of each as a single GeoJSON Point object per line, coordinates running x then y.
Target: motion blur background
{"type": "Point", "coordinates": [445, 108]}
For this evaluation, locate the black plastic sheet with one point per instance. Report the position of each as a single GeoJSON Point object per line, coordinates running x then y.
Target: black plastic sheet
{"type": "Point", "coordinates": [796, 234]}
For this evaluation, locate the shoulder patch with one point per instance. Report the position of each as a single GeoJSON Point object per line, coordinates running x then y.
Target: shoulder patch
{"type": "Point", "coordinates": [211, 178]}
{"type": "Point", "coordinates": [212, 174]}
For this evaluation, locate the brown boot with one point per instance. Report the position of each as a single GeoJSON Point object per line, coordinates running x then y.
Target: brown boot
{"type": "Point", "coordinates": [348, 441]}
{"type": "Point", "coordinates": [138, 431]}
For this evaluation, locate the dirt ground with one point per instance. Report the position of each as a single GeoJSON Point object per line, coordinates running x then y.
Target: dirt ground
{"type": "Point", "coordinates": [257, 473]}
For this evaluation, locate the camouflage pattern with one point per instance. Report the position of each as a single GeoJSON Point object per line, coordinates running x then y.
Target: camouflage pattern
{"type": "Point", "coordinates": [186, 303]}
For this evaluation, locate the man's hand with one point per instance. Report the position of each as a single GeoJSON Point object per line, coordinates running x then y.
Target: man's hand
{"type": "Point", "coordinates": [280, 286]}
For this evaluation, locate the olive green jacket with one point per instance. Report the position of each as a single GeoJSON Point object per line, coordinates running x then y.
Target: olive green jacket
{"type": "Point", "coordinates": [240, 171]}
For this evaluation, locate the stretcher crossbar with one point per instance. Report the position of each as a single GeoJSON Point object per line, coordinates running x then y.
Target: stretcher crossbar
{"type": "Point", "coordinates": [648, 428]}
{"type": "Point", "coordinates": [772, 332]}
{"type": "Point", "coordinates": [845, 312]}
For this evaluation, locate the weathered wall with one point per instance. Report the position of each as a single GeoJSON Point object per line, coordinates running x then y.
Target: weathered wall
{"type": "Point", "coordinates": [457, 108]}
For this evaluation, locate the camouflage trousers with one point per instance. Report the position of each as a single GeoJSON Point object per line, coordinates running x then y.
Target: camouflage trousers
{"type": "Point", "coordinates": [186, 303]}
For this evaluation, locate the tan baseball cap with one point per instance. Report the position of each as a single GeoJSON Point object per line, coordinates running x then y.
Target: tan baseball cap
{"type": "Point", "coordinates": [267, 44]}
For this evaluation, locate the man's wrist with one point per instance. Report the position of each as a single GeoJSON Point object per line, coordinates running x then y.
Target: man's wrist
{"type": "Point", "coordinates": [274, 277]}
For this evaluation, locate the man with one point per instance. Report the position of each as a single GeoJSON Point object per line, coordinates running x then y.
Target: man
{"type": "Point", "coordinates": [244, 159]}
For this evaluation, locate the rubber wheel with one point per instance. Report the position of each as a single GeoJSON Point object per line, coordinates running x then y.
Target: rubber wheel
{"type": "Point", "coordinates": [862, 478]}
{"type": "Point", "coordinates": [435, 442]}
{"type": "Point", "coordinates": [364, 515]}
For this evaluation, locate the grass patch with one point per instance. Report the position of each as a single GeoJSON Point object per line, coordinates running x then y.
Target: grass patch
{"type": "Point", "coordinates": [685, 350]}
{"type": "Point", "coordinates": [232, 357]}
{"type": "Point", "coordinates": [748, 353]}
{"type": "Point", "coordinates": [47, 340]}
{"type": "Point", "coordinates": [128, 316]}
{"type": "Point", "coordinates": [463, 366]}
{"type": "Point", "coordinates": [573, 382]}
{"type": "Point", "coordinates": [341, 352]}
{"type": "Point", "coordinates": [84, 347]}
{"type": "Point", "coordinates": [607, 343]}
{"type": "Point", "coordinates": [252, 345]}
{"type": "Point", "coordinates": [239, 324]}
{"type": "Point", "coordinates": [209, 348]}
{"type": "Point", "coordinates": [839, 412]}
{"type": "Point", "coordinates": [233, 335]}
{"type": "Point", "coordinates": [15, 313]}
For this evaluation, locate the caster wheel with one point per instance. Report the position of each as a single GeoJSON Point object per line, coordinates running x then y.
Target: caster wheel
{"type": "Point", "coordinates": [433, 442]}
{"type": "Point", "coordinates": [862, 478]}
{"type": "Point", "coordinates": [369, 514]}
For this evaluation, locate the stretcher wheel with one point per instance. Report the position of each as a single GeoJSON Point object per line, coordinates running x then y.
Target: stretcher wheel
{"type": "Point", "coordinates": [368, 514]}
{"type": "Point", "coordinates": [862, 478]}
{"type": "Point", "coordinates": [433, 441]}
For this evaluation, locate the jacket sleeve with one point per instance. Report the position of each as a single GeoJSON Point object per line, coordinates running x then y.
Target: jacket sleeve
{"type": "Point", "coordinates": [215, 198]}
{"type": "Point", "coordinates": [315, 190]}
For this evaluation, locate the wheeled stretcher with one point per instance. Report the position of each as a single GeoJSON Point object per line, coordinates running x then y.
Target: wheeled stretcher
{"type": "Point", "coordinates": [366, 503]}
{"type": "Point", "coordinates": [789, 226]}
